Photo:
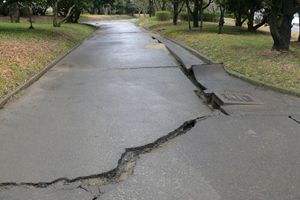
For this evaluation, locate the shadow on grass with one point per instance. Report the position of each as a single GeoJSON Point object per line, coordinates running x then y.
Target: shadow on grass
{"type": "Point", "coordinates": [208, 27]}
{"type": "Point", "coordinates": [40, 31]}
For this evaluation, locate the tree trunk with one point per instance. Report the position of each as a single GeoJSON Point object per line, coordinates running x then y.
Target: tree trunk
{"type": "Point", "coordinates": [75, 16]}
{"type": "Point", "coordinates": [177, 8]}
{"type": "Point", "coordinates": [55, 13]}
{"type": "Point", "coordinates": [250, 17]}
{"type": "Point", "coordinates": [14, 12]}
{"type": "Point", "coordinates": [30, 17]}
{"type": "Point", "coordinates": [221, 20]}
{"type": "Point", "coordinates": [189, 13]}
{"type": "Point", "coordinates": [196, 13]}
{"type": "Point", "coordinates": [299, 25]}
{"type": "Point", "coordinates": [56, 21]}
{"type": "Point", "coordinates": [201, 14]}
{"type": "Point", "coordinates": [163, 7]}
{"type": "Point", "coordinates": [238, 19]}
{"type": "Point", "coordinates": [175, 11]}
{"type": "Point", "coordinates": [151, 13]}
{"type": "Point", "coordinates": [281, 29]}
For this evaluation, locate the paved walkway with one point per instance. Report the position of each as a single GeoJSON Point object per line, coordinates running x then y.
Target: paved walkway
{"type": "Point", "coordinates": [122, 89]}
{"type": "Point", "coordinates": [119, 89]}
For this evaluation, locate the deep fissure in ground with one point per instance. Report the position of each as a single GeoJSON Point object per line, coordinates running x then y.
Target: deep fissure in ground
{"type": "Point", "coordinates": [124, 169]}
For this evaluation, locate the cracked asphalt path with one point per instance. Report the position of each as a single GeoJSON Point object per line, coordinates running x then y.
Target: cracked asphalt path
{"type": "Point", "coordinates": [105, 122]}
{"type": "Point", "coordinates": [119, 89]}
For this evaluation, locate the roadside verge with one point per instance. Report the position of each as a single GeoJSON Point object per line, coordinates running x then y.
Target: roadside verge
{"type": "Point", "coordinates": [5, 98]}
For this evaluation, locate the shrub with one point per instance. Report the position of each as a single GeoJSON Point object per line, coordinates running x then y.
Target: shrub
{"type": "Point", "coordinates": [210, 17]}
{"type": "Point", "coordinates": [163, 15]}
{"type": "Point", "coordinates": [184, 16]}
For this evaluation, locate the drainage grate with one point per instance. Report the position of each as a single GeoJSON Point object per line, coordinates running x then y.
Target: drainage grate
{"type": "Point", "coordinates": [236, 98]}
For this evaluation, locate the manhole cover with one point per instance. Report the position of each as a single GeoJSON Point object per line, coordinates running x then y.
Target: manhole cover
{"type": "Point", "coordinates": [236, 98]}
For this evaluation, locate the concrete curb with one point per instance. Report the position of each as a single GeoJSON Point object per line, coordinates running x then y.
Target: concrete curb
{"type": "Point", "coordinates": [206, 59]}
{"type": "Point", "coordinates": [4, 99]}
{"type": "Point", "coordinates": [259, 83]}
{"type": "Point", "coordinates": [233, 73]}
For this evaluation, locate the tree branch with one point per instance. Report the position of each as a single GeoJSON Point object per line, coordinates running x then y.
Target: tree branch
{"type": "Point", "coordinates": [70, 11]}
{"type": "Point", "coordinates": [208, 4]}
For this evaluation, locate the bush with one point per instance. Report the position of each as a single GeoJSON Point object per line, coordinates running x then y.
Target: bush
{"type": "Point", "coordinates": [163, 15]}
{"type": "Point", "coordinates": [184, 16]}
{"type": "Point", "coordinates": [210, 17]}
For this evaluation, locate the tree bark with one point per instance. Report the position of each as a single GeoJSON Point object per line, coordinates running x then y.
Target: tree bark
{"type": "Point", "coordinates": [299, 24]}
{"type": "Point", "coordinates": [14, 12]}
{"type": "Point", "coordinates": [202, 8]}
{"type": "Point", "coordinates": [56, 21]}
{"type": "Point", "coordinates": [201, 14]}
{"type": "Point", "coordinates": [196, 14]}
{"type": "Point", "coordinates": [164, 3]}
{"type": "Point", "coordinates": [189, 13]}
{"type": "Point", "coordinates": [55, 13]}
{"type": "Point", "coordinates": [175, 11]}
{"type": "Point", "coordinates": [238, 19]}
{"type": "Point", "coordinates": [221, 20]}
{"type": "Point", "coordinates": [151, 10]}
{"type": "Point", "coordinates": [30, 17]}
{"type": "Point", "coordinates": [250, 17]}
{"type": "Point", "coordinates": [281, 28]}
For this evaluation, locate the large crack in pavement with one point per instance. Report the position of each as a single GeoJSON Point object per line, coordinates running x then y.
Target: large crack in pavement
{"type": "Point", "coordinates": [294, 119]}
{"type": "Point", "coordinates": [124, 169]}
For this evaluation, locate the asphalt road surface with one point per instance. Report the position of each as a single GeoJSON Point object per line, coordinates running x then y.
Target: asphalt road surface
{"type": "Point", "coordinates": [118, 119]}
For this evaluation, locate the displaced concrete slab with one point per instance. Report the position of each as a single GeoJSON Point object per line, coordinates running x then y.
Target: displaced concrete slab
{"type": "Point", "coordinates": [182, 55]}
{"type": "Point", "coordinates": [214, 78]}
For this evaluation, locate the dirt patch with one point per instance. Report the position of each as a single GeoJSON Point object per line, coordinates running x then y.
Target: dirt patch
{"type": "Point", "coordinates": [156, 45]}
{"type": "Point", "coordinates": [20, 53]}
{"type": "Point", "coordinates": [19, 60]}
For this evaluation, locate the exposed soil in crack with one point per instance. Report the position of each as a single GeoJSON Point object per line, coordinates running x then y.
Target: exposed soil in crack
{"type": "Point", "coordinates": [124, 169]}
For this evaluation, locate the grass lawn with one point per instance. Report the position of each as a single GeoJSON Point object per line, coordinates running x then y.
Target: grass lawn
{"type": "Point", "coordinates": [25, 52]}
{"type": "Point", "coordinates": [89, 17]}
{"type": "Point", "coordinates": [244, 53]}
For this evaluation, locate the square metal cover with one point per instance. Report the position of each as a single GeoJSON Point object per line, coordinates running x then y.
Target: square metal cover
{"type": "Point", "coordinates": [236, 98]}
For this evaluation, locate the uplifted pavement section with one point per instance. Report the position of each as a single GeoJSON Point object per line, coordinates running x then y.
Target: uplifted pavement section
{"type": "Point", "coordinates": [263, 101]}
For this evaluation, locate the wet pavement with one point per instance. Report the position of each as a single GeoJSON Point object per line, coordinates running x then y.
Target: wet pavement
{"type": "Point", "coordinates": [119, 89]}
{"type": "Point", "coordinates": [66, 137]}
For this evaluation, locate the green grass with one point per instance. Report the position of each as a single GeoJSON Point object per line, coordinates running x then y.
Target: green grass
{"type": "Point", "coordinates": [25, 52]}
{"type": "Point", "coordinates": [89, 17]}
{"type": "Point", "coordinates": [242, 52]}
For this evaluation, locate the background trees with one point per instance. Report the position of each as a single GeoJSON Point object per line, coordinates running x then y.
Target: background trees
{"type": "Point", "coordinates": [278, 14]}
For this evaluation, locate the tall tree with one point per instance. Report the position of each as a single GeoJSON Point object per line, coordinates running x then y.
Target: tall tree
{"type": "Point", "coordinates": [222, 6]}
{"type": "Point", "coordinates": [197, 12]}
{"type": "Point", "coordinates": [299, 23]}
{"type": "Point", "coordinates": [244, 10]}
{"type": "Point", "coordinates": [253, 6]}
{"type": "Point", "coordinates": [280, 16]}
{"type": "Point", "coordinates": [56, 20]}
{"type": "Point", "coordinates": [177, 7]}
{"type": "Point", "coordinates": [151, 8]}
{"type": "Point", "coordinates": [14, 11]}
